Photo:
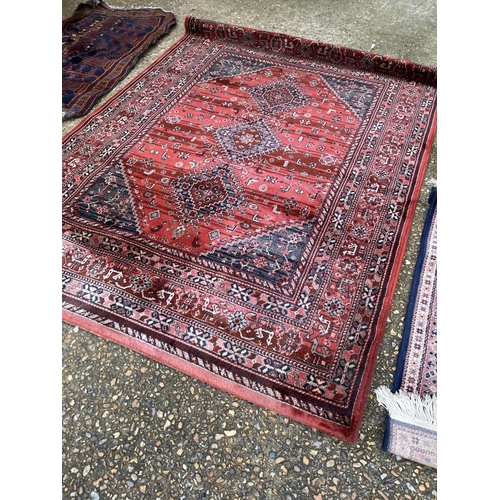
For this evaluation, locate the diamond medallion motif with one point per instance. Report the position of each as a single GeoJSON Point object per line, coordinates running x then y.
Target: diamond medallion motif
{"type": "Point", "coordinates": [278, 97]}
{"type": "Point", "coordinates": [202, 194]}
{"type": "Point", "coordinates": [246, 140]}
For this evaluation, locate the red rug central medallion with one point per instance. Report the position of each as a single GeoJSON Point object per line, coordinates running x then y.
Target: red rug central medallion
{"type": "Point", "coordinates": [239, 211]}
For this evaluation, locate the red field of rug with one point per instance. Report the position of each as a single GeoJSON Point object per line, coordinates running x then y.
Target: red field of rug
{"type": "Point", "coordinates": [240, 211]}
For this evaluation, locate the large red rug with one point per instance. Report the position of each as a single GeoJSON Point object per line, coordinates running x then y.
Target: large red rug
{"type": "Point", "coordinates": [240, 211]}
{"type": "Point", "coordinates": [100, 45]}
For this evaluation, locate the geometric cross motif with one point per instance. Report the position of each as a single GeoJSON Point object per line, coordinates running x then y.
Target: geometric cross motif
{"type": "Point", "coordinates": [247, 139]}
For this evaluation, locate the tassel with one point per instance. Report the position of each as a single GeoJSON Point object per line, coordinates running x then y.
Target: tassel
{"type": "Point", "coordinates": [409, 408]}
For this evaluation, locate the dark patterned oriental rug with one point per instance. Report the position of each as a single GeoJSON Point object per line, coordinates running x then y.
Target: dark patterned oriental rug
{"type": "Point", "coordinates": [240, 210]}
{"type": "Point", "coordinates": [411, 423]}
{"type": "Point", "coordinates": [100, 45]}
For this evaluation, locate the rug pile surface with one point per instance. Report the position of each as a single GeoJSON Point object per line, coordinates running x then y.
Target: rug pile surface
{"type": "Point", "coordinates": [240, 210]}
{"type": "Point", "coordinates": [411, 424]}
{"type": "Point", "coordinates": [100, 44]}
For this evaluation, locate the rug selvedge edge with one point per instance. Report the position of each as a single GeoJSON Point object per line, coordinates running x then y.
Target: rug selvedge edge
{"type": "Point", "coordinates": [307, 48]}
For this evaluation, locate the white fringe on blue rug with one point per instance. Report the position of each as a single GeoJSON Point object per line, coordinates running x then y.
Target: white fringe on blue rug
{"type": "Point", "coordinates": [409, 408]}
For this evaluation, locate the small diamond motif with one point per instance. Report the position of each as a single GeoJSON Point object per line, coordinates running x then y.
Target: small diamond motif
{"type": "Point", "coordinates": [199, 195]}
{"type": "Point", "coordinates": [278, 97]}
{"type": "Point", "coordinates": [247, 139]}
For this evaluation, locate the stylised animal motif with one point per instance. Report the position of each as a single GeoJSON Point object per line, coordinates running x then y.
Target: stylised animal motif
{"type": "Point", "coordinates": [168, 294]}
{"type": "Point", "coordinates": [116, 272]}
{"type": "Point", "coordinates": [324, 330]}
{"type": "Point", "coordinates": [79, 257]}
{"type": "Point", "coordinates": [210, 311]}
{"type": "Point", "coordinates": [260, 332]}
{"type": "Point", "coordinates": [318, 350]}
{"type": "Point", "coordinates": [352, 249]}
{"type": "Point", "coordinates": [320, 353]}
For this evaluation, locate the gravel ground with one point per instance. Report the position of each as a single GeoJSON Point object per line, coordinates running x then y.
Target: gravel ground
{"type": "Point", "coordinates": [135, 429]}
